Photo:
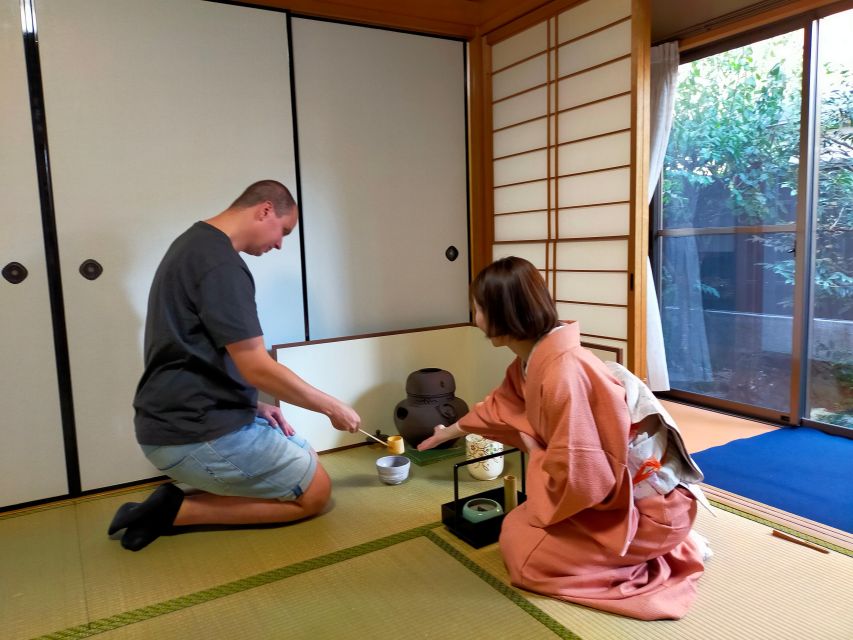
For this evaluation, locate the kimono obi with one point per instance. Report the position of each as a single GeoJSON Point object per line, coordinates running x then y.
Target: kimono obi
{"type": "Point", "coordinates": [658, 461]}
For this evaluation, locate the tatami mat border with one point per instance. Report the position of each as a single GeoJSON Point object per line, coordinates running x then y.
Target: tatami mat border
{"type": "Point", "coordinates": [503, 588]}
{"type": "Point", "coordinates": [229, 588]}
{"type": "Point", "coordinates": [781, 527]}
{"type": "Point", "coordinates": [183, 602]}
{"type": "Point", "coordinates": [267, 577]}
{"type": "Point", "coordinates": [70, 502]}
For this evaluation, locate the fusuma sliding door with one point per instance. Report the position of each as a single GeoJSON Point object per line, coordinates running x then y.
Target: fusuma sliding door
{"type": "Point", "coordinates": [31, 447]}
{"type": "Point", "coordinates": [384, 178]}
{"type": "Point", "coordinates": [158, 114]}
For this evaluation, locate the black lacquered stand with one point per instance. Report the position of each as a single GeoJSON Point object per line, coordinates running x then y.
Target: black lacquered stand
{"type": "Point", "coordinates": [479, 534]}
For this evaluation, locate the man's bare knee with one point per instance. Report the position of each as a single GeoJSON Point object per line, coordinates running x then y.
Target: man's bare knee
{"type": "Point", "coordinates": [316, 497]}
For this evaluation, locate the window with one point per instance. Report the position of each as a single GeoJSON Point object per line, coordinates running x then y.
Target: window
{"type": "Point", "coordinates": [741, 302]}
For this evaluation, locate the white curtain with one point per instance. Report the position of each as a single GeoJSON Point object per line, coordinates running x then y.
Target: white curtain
{"type": "Point", "coordinates": [664, 80]}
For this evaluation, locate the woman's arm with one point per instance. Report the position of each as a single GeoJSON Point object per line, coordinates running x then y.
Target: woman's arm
{"type": "Point", "coordinates": [441, 434]}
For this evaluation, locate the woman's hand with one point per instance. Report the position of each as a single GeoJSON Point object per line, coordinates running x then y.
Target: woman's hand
{"type": "Point", "coordinates": [274, 416]}
{"type": "Point", "coordinates": [441, 434]}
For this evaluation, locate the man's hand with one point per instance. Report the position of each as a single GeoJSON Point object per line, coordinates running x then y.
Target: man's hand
{"type": "Point", "coordinates": [261, 371]}
{"type": "Point", "coordinates": [344, 417]}
{"type": "Point", "coordinates": [274, 416]}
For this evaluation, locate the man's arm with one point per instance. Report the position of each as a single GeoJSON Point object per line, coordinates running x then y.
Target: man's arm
{"type": "Point", "coordinates": [261, 371]}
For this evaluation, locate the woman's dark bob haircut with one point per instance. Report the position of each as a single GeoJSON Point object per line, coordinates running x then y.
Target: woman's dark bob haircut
{"type": "Point", "coordinates": [514, 299]}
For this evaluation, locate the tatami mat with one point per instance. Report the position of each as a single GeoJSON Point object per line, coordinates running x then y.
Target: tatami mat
{"type": "Point", "coordinates": [755, 587]}
{"type": "Point", "coordinates": [409, 590]}
{"type": "Point", "coordinates": [337, 575]}
{"type": "Point", "coordinates": [41, 573]}
{"type": "Point", "coordinates": [108, 580]}
{"type": "Point", "coordinates": [803, 528]}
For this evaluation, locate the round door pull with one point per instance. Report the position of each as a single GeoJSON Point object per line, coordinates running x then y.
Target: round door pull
{"type": "Point", "coordinates": [15, 272]}
{"type": "Point", "coordinates": [91, 269]}
{"type": "Point", "coordinates": [452, 253]}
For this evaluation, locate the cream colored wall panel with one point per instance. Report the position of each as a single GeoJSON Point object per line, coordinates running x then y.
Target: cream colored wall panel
{"type": "Point", "coordinates": [593, 255]}
{"type": "Point", "coordinates": [593, 188]}
{"type": "Point", "coordinates": [521, 226]}
{"type": "Point", "coordinates": [598, 153]}
{"type": "Point", "coordinates": [601, 220]}
{"type": "Point", "coordinates": [520, 46]}
{"type": "Point", "coordinates": [384, 180]}
{"type": "Point", "coordinates": [521, 197]}
{"type": "Point", "coordinates": [602, 321]}
{"type": "Point", "coordinates": [604, 288]}
{"type": "Point", "coordinates": [158, 116]}
{"type": "Point", "coordinates": [529, 166]}
{"type": "Point", "coordinates": [370, 375]}
{"type": "Point", "coordinates": [32, 454]}
{"type": "Point", "coordinates": [533, 252]}
{"type": "Point", "coordinates": [598, 83]}
{"type": "Point", "coordinates": [595, 49]}
{"type": "Point", "coordinates": [524, 137]}
{"type": "Point", "coordinates": [589, 16]}
{"type": "Point", "coordinates": [594, 119]}
{"type": "Point", "coordinates": [520, 108]}
{"type": "Point", "coordinates": [523, 76]}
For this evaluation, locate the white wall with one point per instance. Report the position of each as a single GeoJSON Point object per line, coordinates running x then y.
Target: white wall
{"type": "Point", "coordinates": [370, 375]}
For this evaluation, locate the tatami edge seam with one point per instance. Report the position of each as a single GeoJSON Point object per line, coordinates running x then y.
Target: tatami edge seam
{"type": "Point", "coordinates": [502, 588]}
{"type": "Point", "coordinates": [148, 612]}
{"type": "Point", "coordinates": [781, 527]}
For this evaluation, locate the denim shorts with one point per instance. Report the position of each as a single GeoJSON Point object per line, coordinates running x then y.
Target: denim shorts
{"type": "Point", "coordinates": [255, 461]}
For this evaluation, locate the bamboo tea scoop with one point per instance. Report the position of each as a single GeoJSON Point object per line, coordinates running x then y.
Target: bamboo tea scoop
{"type": "Point", "coordinates": [394, 444]}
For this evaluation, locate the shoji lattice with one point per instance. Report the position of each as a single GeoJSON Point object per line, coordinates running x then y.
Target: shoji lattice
{"type": "Point", "coordinates": [561, 148]}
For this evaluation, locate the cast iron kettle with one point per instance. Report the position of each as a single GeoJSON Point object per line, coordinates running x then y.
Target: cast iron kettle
{"type": "Point", "coordinates": [430, 401]}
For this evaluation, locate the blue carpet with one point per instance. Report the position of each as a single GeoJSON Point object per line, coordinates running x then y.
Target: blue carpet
{"type": "Point", "coordinates": [799, 470]}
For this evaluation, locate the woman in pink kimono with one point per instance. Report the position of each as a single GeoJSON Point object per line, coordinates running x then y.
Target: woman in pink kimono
{"type": "Point", "coordinates": [582, 535]}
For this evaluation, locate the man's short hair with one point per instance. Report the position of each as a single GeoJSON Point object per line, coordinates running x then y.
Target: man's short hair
{"type": "Point", "coordinates": [263, 190]}
{"type": "Point", "coordinates": [515, 300]}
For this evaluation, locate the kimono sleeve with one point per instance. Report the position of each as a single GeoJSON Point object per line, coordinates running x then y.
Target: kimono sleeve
{"type": "Point", "coordinates": [501, 415]}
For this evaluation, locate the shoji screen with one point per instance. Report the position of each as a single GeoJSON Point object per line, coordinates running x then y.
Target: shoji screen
{"type": "Point", "coordinates": [561, 148]}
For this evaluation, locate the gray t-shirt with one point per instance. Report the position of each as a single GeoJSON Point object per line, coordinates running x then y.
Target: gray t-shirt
{"type": "Point", "coordinates": [202, 298]}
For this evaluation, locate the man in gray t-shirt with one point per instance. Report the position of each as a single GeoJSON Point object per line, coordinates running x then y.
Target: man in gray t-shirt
{"type": "Point", "coordinates": [198, 418]}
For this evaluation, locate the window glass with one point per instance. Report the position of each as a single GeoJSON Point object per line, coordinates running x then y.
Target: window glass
{"type": "Point", "coordinates": [733, 152]}
{"type": "Point", "coordinates": [830, 388]}
{"type": "Point", "coordinates": [729, 213]}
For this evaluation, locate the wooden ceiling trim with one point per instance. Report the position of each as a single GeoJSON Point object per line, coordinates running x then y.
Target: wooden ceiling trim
{"type": "Point", "coordinates": [521, 15]}
{"type": "Point", "coordinates": [778, 14]}
{"type": "Point", "coordinates": [454, 18]}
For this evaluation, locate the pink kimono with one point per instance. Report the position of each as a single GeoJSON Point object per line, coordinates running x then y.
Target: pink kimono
{"type": "Point", "coordinates": [580, 536]}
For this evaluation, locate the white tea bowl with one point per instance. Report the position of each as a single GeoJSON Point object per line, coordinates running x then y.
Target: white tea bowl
{"type": "Point", "coordinates": [393, 469]}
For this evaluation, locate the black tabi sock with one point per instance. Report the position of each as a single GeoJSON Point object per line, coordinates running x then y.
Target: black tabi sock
{"type": "Point", "coordinates": [156, 520]}
{"type": "Point", "coordinates": [124, 514]}
{"type": "Point", "coordinates": [131, 512]}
